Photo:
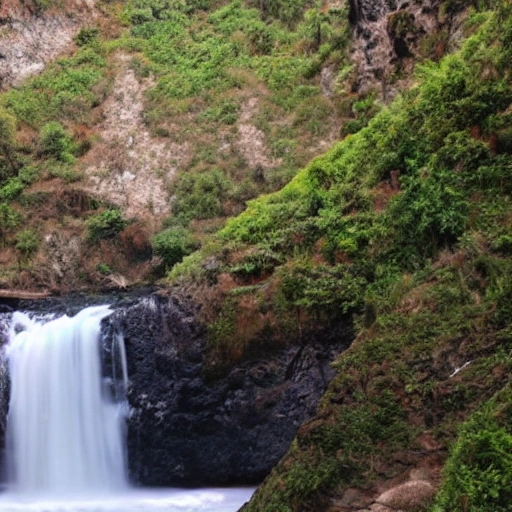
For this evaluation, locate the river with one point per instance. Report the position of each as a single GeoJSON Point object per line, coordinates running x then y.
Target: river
{"type": "Point", "coordinates": [136, 500]}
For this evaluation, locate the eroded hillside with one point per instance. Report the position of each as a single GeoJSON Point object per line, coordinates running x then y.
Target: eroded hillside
{"type": "Point", "coordinates": [131, 157]}
{"type": "Point", "coordinates": [121, 120]}
{"type": "Point", "coordinates": [403, 229]}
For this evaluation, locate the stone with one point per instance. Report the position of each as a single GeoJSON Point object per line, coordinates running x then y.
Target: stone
{"type": "Point", "coordinates": [412, 496]}
{"type": "Point", "coordinates": [188, 428]}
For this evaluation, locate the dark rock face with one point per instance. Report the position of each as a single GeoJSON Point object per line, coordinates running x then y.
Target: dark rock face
{"type": "Point", "coordinates": [186, 429]}
{"type": "Point", "coordinates": [386, 36]}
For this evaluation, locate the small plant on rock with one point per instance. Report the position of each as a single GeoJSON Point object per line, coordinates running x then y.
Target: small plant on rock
{"type": "Point", "coordinates": [27, 244]}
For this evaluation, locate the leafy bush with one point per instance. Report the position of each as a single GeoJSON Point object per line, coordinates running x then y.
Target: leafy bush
{"type": "Point", "coordinates": [28, 174]}
{"type": "Point", "coordinates": [503, 244]}
{"type": "Point", "coordinates": [7, 141]}
{"type": "Point", "coordinates": [27, 244]}
{"type": "Point", "coordinates": [430, 213]}
{"type": "Point", "coordinates": [173, 244]}
{"type": "Point", "coordinates": [478, 474]}
{"type": "Point", "coordinates": [226, 112]}
{"type": "Point", "coordinates": [11, 189]}
{"type": "Point", "coordinates": [9, 219]}
{"type": "Point", "coordinates": [106, 224]}
{"type": "Point", "coordinates": [312, 113]}
{"type": "Point", "coordinates": [158, 9]}
{"type": "Point", "coordinates": [261, 39]}
{"type": "Point", "coordinates": [256, 264]}
{"type": "Point", "coordinates": [64, 171]}
{"type": "Point", "coordinates": [287, 11]}
{"type": "Point", "coordinates": [103, 269]}
{"type": "Point", "coordinates": [321, 290]}
{"type": "Point", "coordinates": [56, 142]}
{"type": "Point", "coordinates": [200, 196]}
{"type": "Point", "coordinates": [86, 35]}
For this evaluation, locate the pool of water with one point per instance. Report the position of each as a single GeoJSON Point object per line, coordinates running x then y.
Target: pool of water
{"type": "Point", "coordinates": [147, 500]}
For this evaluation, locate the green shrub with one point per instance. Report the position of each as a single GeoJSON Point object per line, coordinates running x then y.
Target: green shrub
{"type": "Point", "coordinates": [86, 35]}
{"type": "Point", "coordinates": [478, 474]}
{"type": "Point", "coordinates": [200, 196]}
{"type": "Point", "coordinates": [431, 212]}
{"type": "Point", "coordinates": [56, 142]}
{"type": "Point", "coordinates": [11, 189]}
{"type": "Point", "coordinates": [138, 16]}
{"type": "Point", "coordinates": [28, 174]}
{"type": "Point", "coordinates": [9, 219]}
{"type": "Point", "coordinates": [226, 112]}
{"type": "Point", "coordinates": [173, 244]}
{"type": "Point", "coordinates": [287, 11]}
{"type": "Point", "coordinates": [256, 264]}
{"type": "Point", "coordinates": [7, 139]}
{"type": "Point", "coordinates": [312, 114]}
{"type": "Point", "coordinates": [320, 290]}
{"type": "Point", "coordinates": [157, 9]}
{"type": "Point", "coordinates": [64, 171]}
{"type": "Point", "coordinates": [27, 244]}
{"type": "Point", "coordinates": [103, 269]}
{"type": "Point", "coordinates": [105, 225]}
{"type": "Point", "coordinates": [503, 244]}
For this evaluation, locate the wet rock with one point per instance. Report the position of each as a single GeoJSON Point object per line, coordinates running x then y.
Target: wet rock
{"type": "Point", "coordinates": [185, 428]}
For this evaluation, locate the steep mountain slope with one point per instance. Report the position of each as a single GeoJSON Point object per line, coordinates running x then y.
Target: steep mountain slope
{"type": "Point", "coordinates": [173, 114]}
{"type": "Point", "coordinates": [401, 229]}
{"type": "Point", "coordinates": [406, 224]}
{"type": "Point", "coordinates": [33, 34]}
{"type": "Point", "coordinates": [215, 112]}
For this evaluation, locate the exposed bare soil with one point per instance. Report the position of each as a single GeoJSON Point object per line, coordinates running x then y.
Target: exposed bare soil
{"type": "Point", "coordinates": [128, 166]}
{"type": "Point", "coordinates": [251, 141]}
{"type": "Point", "coordinates": [29, 40]}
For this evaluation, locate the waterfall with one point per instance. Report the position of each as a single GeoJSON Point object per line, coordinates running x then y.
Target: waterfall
{"type": "Point", "coordinates": [65, 426]}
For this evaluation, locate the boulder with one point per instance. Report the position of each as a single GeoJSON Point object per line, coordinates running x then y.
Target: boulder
{"type": "Point", "coordinates": [411, 496]}
{"type": "Point", "coordinates": [186, 427]}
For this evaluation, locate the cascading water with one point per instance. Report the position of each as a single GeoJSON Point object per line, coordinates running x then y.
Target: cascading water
{"type": "Point", "coordinates": [64, 430]}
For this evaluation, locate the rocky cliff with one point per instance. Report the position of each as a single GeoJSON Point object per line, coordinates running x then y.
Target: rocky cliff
{"type": "Point", "coordinates": [391, 36]}
{"type": "Point", "coordinates": [186, 426]}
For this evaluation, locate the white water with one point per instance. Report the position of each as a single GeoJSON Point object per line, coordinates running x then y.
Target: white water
{"type": "Point", "coordinates": [65, 432]}
{"type": "Point", "coordinates": [162, 500]}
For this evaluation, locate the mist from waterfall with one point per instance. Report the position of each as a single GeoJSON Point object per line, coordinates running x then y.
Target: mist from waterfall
{"type": "Point", "coordinates": [65, 431]}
